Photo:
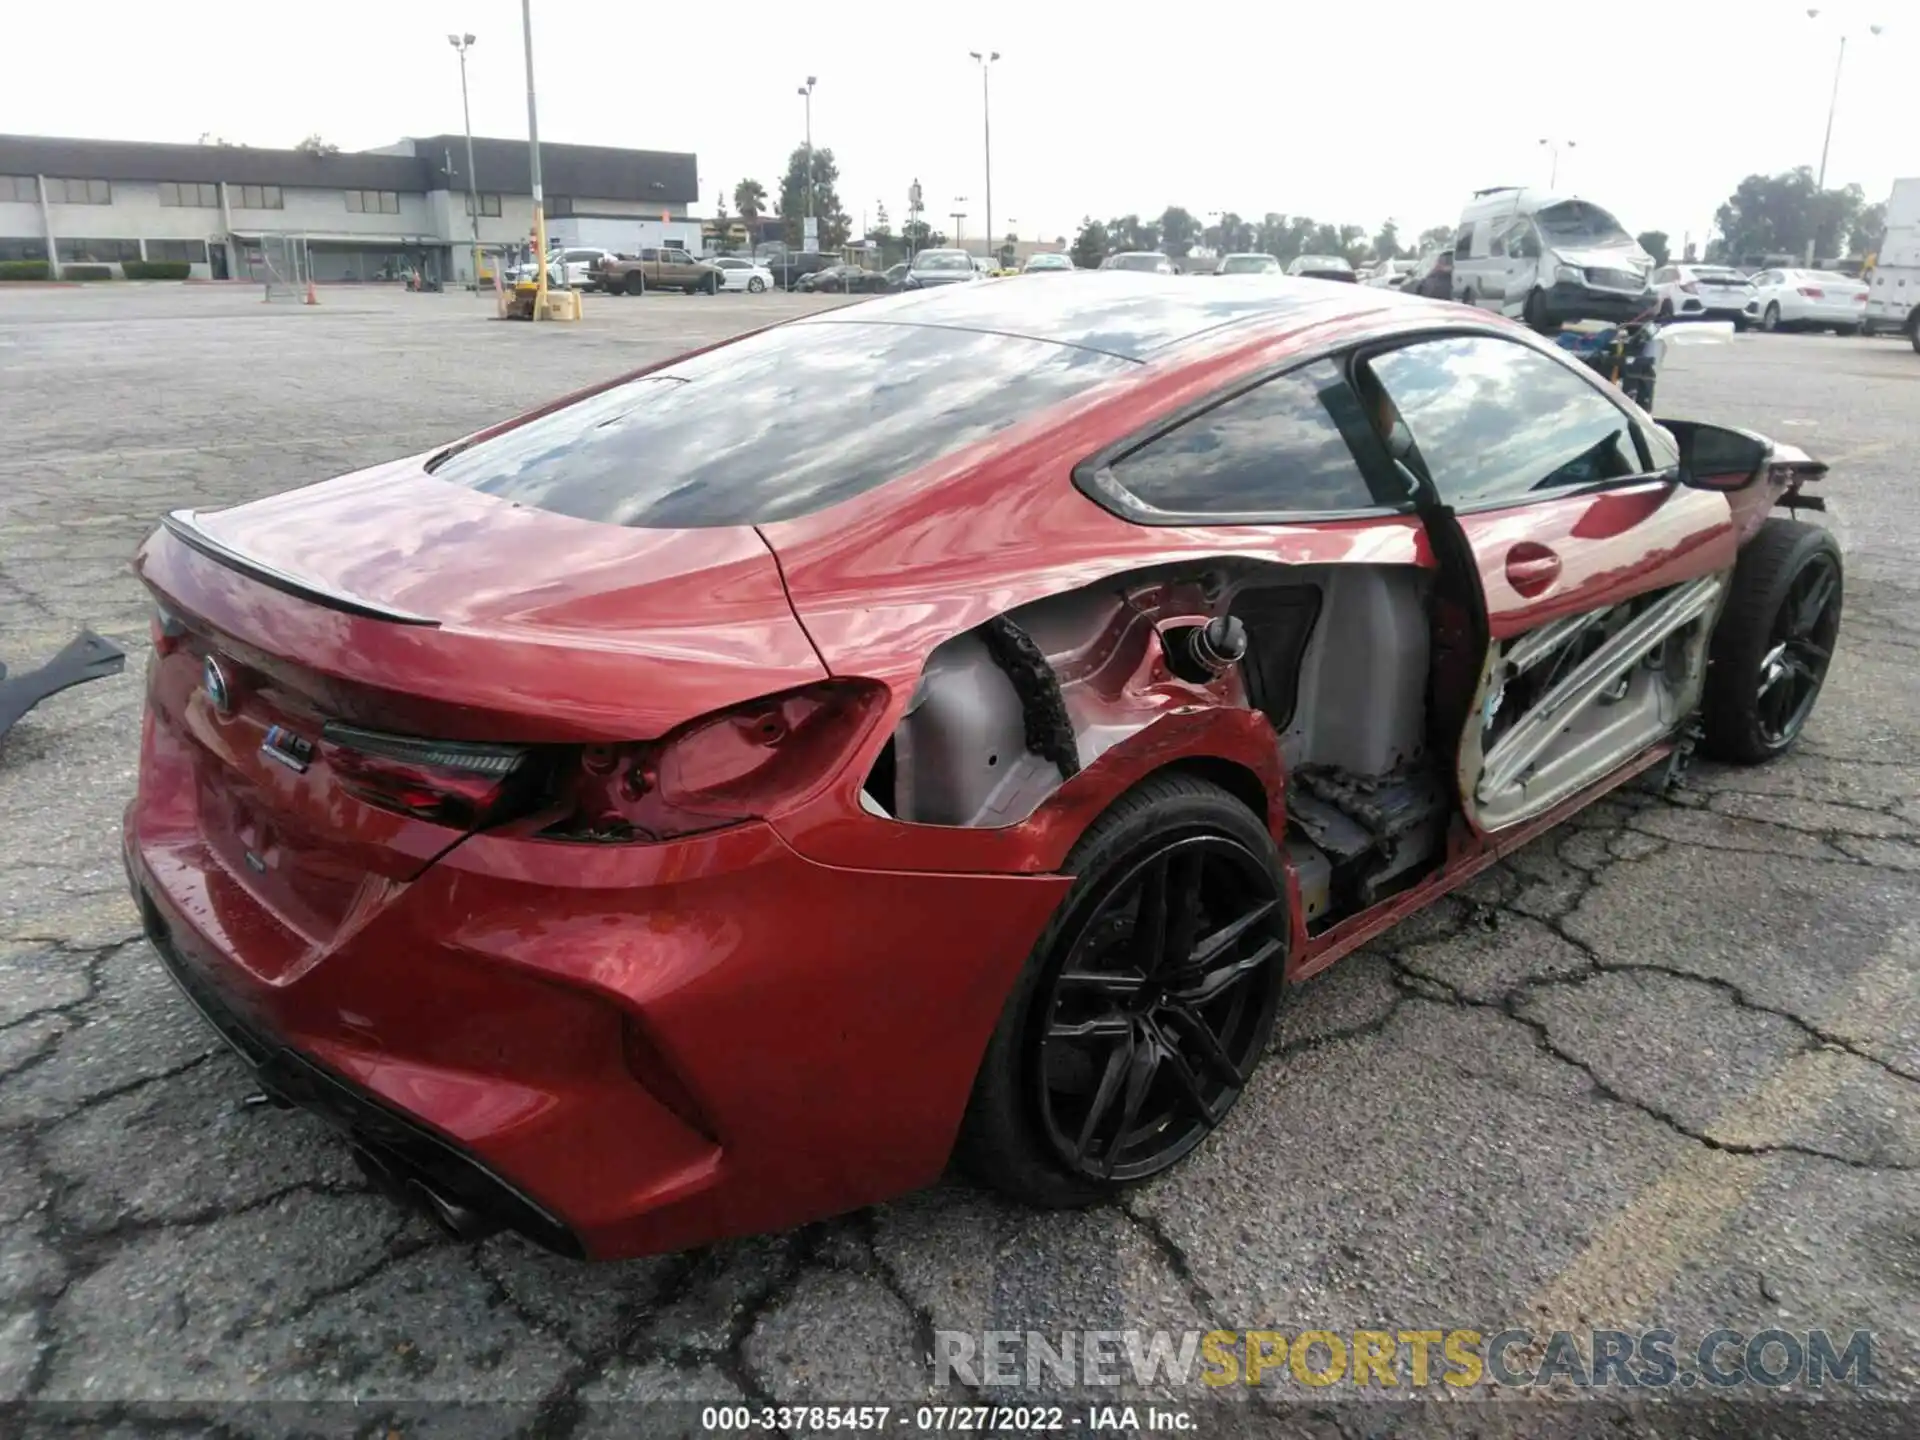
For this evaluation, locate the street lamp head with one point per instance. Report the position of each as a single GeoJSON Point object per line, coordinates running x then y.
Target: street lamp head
{"type": "Point", "coordinates": [973, 54]}
{"type": "Point", "coordinates": [993, 55]}
{"type": "Point", "coordinates": [454, 40]}
{"type": "Point", "coordinates": [810, 82]}
{"type": "Point", "coordinates": [1876, 29]}
{"type": "Point", "coordinates": [1813, 14]}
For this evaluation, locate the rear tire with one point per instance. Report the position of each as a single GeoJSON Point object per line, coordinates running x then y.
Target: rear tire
{"type": "Point", "coordinates": [1117, 1054]}
{"type": "Point", "coordinates": [1913, 332]}
{"type": "Point", "coordinates": [1770, 317]}
{"type": "Point", "coordinates": [636, 283]}
{"type": "Point", "coordinates": [1666, 310]}
{"type": "Point", "coordinates": [1771, 649]}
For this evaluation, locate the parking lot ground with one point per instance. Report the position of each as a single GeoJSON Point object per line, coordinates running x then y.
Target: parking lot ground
{"type": "Point", "coordinates": [1661, 1068]}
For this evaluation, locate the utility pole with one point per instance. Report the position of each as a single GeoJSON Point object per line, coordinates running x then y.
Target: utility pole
{"type": "Point", "coordinates": [464, 43]}
{"type": "Point", "coordinates": [533, 150]}
{"type": "Point", "coordinates": [986, 118]}
{"type": "Point", "coordinates": [806, 90]}
{"type": "Point", "coordinates": [1553, 146]}
{"type": "Point", "coordinates": [1826, 143]}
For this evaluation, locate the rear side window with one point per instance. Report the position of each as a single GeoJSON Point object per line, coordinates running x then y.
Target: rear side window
{"type": "Point", "coordinates": [1282, 446]}
{"type": "Point", "coordinates": [1497, 422]}
{"type": "Point", "coordinates": [775, 425]}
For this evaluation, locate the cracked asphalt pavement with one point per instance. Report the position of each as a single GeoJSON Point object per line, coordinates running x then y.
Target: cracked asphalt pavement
{"type": "Point", "coordinates": [1662, 1067]}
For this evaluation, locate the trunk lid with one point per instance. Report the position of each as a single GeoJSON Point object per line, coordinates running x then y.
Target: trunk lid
{"type": "Point", "coordinates": [394, 603]}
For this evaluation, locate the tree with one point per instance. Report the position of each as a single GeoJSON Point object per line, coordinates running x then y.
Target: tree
{"type": "Point", "coordinates": [1869, 230]}
{"type": "Point", "coordinates": [1655, 243]}
{"type": "Point", "coordinates": [720, 208]}
{"type": "Point", "coordinates": [1008, 249]}
{"type": "Point", "coordinates": [750, 199]}
{"type": "Point", "coordinates": [1386, 244]}
{"type": "Point", "coordinates": [1437, 237]}
{"type": "Point", "coordinates": [314, 145]}
{"type": "Point", "coordinates": [1129, 232]}
{"type": "Point", "coordinates": [1231, 236]}
{"type": "Point", "coordinates": [1091, 245]}
{"type": "Point", "coordinates": [826, 207]}
{"type": "Point", "coordinates": [919, 235]}
{"type": "Point", "coordinates": [1782, 214]}
{"type": "Point", "coordinates": [1178, 231]}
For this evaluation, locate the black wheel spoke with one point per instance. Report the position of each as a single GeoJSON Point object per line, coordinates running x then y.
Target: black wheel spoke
{"type": "Point", "coordinates": [1142, 1066]}
{"type": "Point", "coordinates": [1206, 1045]}
{"type": "Point", "coordinates": [1114, 1026]}
{"type": "Point", "coordinates": [1104, 1095]}
{"type": "Point", "coordinates": [1189, 1086]}
{"type": "Point", "coordinates": [1224, 939]}
{"type": "Point", "coordinates": [1211, 985]}
{"type": "Point", "coordinates": [1101, 983]}
{"type": "Point", "coordinates": [1813, 604]}
{"type": "Point", "coordinates": [1150, 924]}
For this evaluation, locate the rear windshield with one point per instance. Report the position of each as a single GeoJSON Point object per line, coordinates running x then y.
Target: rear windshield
{"type": "Point", "coordinates": [1249, 264]}
{"type": "Point", "coordinates": [775, 425]}
{"type": "Point", "coordinates": [942, 260]}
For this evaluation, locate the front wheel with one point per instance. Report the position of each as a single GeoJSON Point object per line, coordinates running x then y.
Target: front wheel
{"type": "Point", "coordinates": [1535, 312]}
{"type": "Point", "coordinates": [1666, 310]}
{"type": "Point", "coordinates": [1774, 642]}
{"type": "Point", "coordinates": [1913, 334]}
{"type": "Point", "coordinates": [756, 285]}
{"type": "Point", "coordinates": [1144, 1008]}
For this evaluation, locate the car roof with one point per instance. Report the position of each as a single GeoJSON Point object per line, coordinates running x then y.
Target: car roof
{"type": "Point", "coordinates": [1130, 315]}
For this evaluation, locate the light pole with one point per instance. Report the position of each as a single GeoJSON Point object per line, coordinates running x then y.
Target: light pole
{"type": "Point", "coordinates": [986, 119]}
{"type": "Point", "coordinates": [464, 43]}
{"type": "Point", "coordinates": [1833, 103]}
{"type": "Point", "coordinates": [533, 152]}
{"type": "Point", "coordinates": [806, 90]}
{"type": "Point", "coordinates": [957, 215]}
{"type": "Point", "coordinates": [1553, 172]}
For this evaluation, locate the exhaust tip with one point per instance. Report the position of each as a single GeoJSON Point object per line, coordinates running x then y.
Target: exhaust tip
{"type": "Point", "coordinates": [452, 1218]}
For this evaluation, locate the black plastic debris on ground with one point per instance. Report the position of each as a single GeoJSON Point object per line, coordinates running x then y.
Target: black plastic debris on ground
{"type": "Point", "coordinates": [86, 657]}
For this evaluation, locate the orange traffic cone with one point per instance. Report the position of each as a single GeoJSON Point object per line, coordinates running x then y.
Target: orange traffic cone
{"type": "Point", "coordinates": [312, 299]}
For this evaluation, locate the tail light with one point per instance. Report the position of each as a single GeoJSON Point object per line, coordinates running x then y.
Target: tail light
{"type": "Point", "coordinates": [1691, 288]}
{"type": "Point", "coordinates": [1812, 292]}
{"type": "Point", "coordinates": [1861, 298]}
{"type": "Point", "coordinates": [167, 630]}
{"type": "Point", "coordinates": [718, 770]}
{"type": "Point", "coordinates": [449, 782]}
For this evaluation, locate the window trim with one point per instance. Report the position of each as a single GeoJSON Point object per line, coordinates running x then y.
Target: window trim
{"type": "Point", "coordinates": [1093, 476]}
{"type": "Point", "coordinates": [1366, 351]}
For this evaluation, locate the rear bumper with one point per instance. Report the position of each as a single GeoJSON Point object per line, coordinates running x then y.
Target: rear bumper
{"type": "Point", "coordinates": [616, 1050]}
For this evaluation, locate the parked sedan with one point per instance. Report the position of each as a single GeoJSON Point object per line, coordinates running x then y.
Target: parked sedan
{"type": "Point", "coordinates": [739, 273]}
{"type": "Point", "coordinates": [1253, 264]}
{"type": "Point", "coordinates": [1048, 262]}
{"type": "Point", "coordinates": [1142, 262]}
{"type": "Point", "coordinates": [931, 268]}
{"type": "Point", "coordinates": [1706, 292]}
{"type": "Point", "coordinates": [714, 801]}
{"type": "Point", "coordinates": [1810, 300]}
{"type": "Point", "coordinates": [1322, 267]}
{"type": "Point", "coordinates": [846, 280]}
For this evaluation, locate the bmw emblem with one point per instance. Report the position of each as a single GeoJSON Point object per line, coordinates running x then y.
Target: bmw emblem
{"type": "Point", "coordinates": [213, 680]}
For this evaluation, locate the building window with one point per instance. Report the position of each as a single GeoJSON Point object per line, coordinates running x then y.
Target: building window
{"type": "Point", "coordinates": [78, 192]}
{"type": "Point", "coordinates": [373, 202]}
{"type": "Point", "coordinates": [559, 205]}
{"type": "Point", "coordinates": [20, 189]}
{"type": "Point", "coordinates": [190, 194]}
{"type": "Point", "coordinates": [194, 252]}
{"type": "Point", "coordinates": [98, 252]}
{"type": "Point", "coordinates": [22, 249]}
{"type": "Point", "coordinates": [257, 197]}
{"type": "Point", "coordinates": [489, 204]}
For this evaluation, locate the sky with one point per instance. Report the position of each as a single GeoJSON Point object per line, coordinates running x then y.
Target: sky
{"type": "Point", "coordinates": [1346, 113]}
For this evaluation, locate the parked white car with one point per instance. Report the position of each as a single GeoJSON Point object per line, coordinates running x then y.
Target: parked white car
{"type": "Point", "coordinates": [1247, 264]}
{"type": "Point", "coordinates": [1810, 300]}
{"type": "Point", "coordinates": [1706, 292]}
{"type": "Point", "coordinates": [1390, 274]}
{"type": "Point", "coordinates": [740, 273]}
{"type": "Point", "coordinates": [565, 266]}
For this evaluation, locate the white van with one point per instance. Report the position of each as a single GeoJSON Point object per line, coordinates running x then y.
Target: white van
{"type": "Point", "coordinates": [1548, 259]}
{"type": "Point", "coordinates": [1893, 289]}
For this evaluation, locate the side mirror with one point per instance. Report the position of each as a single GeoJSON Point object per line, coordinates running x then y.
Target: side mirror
{"type": "Point", "coordinates": [1713, 457]}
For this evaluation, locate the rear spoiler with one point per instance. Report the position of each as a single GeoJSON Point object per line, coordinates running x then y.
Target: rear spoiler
{"type": "Point", "coordinates": [184, 526]}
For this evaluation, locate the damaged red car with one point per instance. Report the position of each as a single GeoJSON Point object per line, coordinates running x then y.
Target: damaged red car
{"type": "Point", "coordinates": [943, 728]}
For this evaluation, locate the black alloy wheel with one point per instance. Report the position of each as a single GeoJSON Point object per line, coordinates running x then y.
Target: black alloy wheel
{"type": "Point", "coordinates": [1155, 1019]}
{"type": "Point", "coordinates": [1774, 643]}
{"type": "Point", "coordinates": [1146, 1006]}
